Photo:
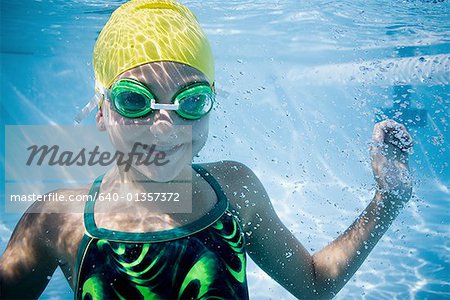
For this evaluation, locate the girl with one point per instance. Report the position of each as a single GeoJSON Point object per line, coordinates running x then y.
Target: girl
{"type": "Point", "coordinates": [155, 78]}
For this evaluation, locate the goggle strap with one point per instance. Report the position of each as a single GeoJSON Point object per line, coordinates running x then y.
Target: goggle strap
{"type": "Point", "coordinates": [102, 95]}
{"type": "Point", "coordinates": [95, 101]}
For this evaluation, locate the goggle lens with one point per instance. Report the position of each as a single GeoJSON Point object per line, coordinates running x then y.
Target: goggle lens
{"type": "Point", "coordinates": [195, 102]}
{"type": "Point", "coordinates": [131, 102]}
{"type": "Point", "coordinates": [131, 98]}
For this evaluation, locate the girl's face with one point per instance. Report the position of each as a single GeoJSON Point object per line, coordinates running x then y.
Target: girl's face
{"type": "Point", "coordinates": [178, 138]}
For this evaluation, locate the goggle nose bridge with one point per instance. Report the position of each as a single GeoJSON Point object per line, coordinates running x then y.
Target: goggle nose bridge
{"type": "Point", "coordinates": [155, 105]}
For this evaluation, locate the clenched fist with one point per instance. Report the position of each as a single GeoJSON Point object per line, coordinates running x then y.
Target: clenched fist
{"type": "Point", "coordinates": [391, 144]}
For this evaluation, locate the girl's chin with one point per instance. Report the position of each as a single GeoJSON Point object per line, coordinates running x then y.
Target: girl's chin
{"type": "Point", "coordinates": [165, 173]}
{"type": "Point", "coordinates": [165, 176]}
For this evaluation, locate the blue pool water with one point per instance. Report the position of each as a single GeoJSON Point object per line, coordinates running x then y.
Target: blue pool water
{"type": "Point", "coordinates": [300, 86]}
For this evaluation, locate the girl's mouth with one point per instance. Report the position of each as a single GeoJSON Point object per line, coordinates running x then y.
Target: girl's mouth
{"type": "Point", "coordinates": [169, 151]}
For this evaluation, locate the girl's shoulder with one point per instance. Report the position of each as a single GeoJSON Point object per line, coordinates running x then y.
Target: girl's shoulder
{"type": "Point", "coordinates": [226, 168]}
{"type": "Point", "coordinates": [232, 175]}
{"type": "Point", "coordinates": [244, 191]}
{"type": "Point", "coordinates": [53, 224]}
{"type": "Point", "coordinates": [60, 201]}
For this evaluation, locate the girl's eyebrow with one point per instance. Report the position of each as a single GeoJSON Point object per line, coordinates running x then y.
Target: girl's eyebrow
{"type": "Point", "coordinates": [180, 86]}
{"type": "Point", "coordinates": [184, 86]}
{"type": "Point", "coordinates": [194, 82]}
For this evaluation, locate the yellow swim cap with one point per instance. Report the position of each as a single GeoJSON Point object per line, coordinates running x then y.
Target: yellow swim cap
{"type": "Point", "coordinates": [144, 31]}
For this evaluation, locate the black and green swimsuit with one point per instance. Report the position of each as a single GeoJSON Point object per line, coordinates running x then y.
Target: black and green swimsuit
{"type": "Point", "coordinates": [201, 260]}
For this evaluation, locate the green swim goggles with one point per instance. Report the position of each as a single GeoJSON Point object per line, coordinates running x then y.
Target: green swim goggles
{"type": "Point", "coordinates": [132, 99]}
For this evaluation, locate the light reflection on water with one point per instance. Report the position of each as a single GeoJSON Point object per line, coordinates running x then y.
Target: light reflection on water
{"type": "Point", "coordinates": [297, 69]}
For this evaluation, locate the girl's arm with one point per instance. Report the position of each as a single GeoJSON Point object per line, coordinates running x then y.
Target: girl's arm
{"type": "Point", "coordinates": [320, 276]}
{"type": "Point", "coordinates": [27, 264]}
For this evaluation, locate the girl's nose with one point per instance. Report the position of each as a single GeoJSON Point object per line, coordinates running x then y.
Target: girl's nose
{"type": "Point", "coordinates": [162, 127]}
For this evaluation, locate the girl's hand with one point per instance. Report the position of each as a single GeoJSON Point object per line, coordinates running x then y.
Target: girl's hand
{"type": "Point", "coordinates": [391, 144]}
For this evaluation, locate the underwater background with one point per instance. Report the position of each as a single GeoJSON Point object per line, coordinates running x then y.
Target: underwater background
{"type": "Point", "coordinates": [300, 86]}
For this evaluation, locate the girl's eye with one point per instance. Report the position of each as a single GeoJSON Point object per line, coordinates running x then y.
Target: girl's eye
{"type": "Point", "coordinates": [194, 103]}
{"type": "Point", "coordinates": [131, 101]}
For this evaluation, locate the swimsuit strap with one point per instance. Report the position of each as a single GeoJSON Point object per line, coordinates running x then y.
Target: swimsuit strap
{"type": "Point", "coordinates": [157, 236]}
